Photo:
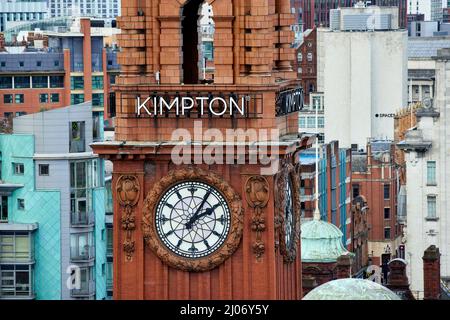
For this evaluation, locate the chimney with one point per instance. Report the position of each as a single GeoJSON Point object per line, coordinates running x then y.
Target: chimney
{"type": "Point", "coordinates": [432, 273]}
{"type": "Point", "coordinates": [343, 267]}
{"type": "Point", "coordinates": [397, 279]}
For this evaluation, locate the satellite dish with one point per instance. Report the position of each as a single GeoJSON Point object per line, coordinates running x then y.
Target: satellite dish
{"type": "Point", "coordinates": [371, 23]}
{"type": "Point", "coordinates": [427, 103]}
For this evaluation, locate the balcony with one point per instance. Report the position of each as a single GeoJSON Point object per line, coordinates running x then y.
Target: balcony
{"type": "Point", "coordinates": [87, 289]}
{"type": "Point", "coordinates": [82, 219]}
{"type": "Point", "coordinates": [82, 254]}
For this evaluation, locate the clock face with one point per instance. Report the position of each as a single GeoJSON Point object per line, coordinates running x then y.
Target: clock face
{"type": "Point", "coordinates": [289, 215]}
{"type": "Point", "coordinates": [192, 219]}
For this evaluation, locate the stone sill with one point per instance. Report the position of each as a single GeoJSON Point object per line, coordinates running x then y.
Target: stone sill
{"type": "Point", "coordinates": [431, 219]}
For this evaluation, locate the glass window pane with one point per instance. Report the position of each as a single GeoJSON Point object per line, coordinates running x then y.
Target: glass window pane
{"type": "Point", "coordinates": [56, 81]}
{"type": "Point", "coordinates": [40, 82]}
{"type": "Point", "coordinates": [5, 82]}
{"type": "Point", "coordinates": [21, 82]}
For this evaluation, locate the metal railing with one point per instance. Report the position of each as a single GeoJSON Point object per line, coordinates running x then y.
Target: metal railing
{"type": "Point", "coordinates": [82, 254]}
{"type": "Point", "coordinates": [86, 289]}
{"type": "Point", "coordinates": [82, 219]}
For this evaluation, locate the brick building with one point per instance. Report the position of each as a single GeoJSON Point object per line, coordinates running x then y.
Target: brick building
{"type": "Point", "coordinates": [313, 13]}
{"type": "Point", "coordinates": [307, 63]}
{"type": "Point", "coordinates": [375, 176]}
{"type": "Point", "coordinates": [50, 70]}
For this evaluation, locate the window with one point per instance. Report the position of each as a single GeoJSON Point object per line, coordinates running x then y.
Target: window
{"type": "Point", "coordinates": [40, 82]}
{"type": "Point", "coordinates": [321, 122]}
{"type": "Point", "coordinates": [81, 247]}
{"type": "Point", "coordinates": [21, 204]}
{"type": "Point", "coordinates": [387, 232]}
{"type": "Point", "coordinates": [4, 209]}
{"type": "Point", "coordinates": [387, 213]}
{"type": "Point", "coordinates": [54, 97]}
{"type": "Point", "coordinates": [77, 137]}
{"type": "Point", "coordinates": [309, 56]}
{"type": "Point", "coordinates": [311, 122]}
{"type": "Point", "coordinates": [21, 63]}
{"type": "Point", "coordinates": [355, 190]}
{"type": "Point", "coordinates": [431, 207]}
{"type": "Point", "coordinates": [16, 280]}
{"type": "Point", "coordinates": [302, 122]}
{"type": "Point", "coordinates": [8, 98]}
{"type": "Point", "coordinates": [299, 57]}
{"type": "Point", "coordinates": [431, 172]}
{"type": "Point", "coordinates": [97, 100]}
{"type": "Point", "coordinates": [56, 81]}
{"type": "Point", "coordinates": [97, 82]}
{"type": "Point", "coordinates": [3, 64]}
{"type": "Point", "coordinates": [6, 83]}
{"type": "Point", "coordinates": [43, 98]}
{"type": "Point", "coordinates": [38, 63]}
{"type": "Point", "coordinates": [21, 82]}
{"type": "Point", "coordinates": [44, 169]}
{"type": "Point", "coordinates": [112, 79]}
{"type": "Point", "coordinates": [109, 241]}
{"type": "Point", "coordinates": [77, 83]}
{"type": "Point", "coordinates": [19, 98]}
{"type": "Point", "coordinates": [19, 168]}
{"type": "Point", "coordinates": [76, 98]}
{"type": "Point", "coordinates": [386, 191]}
{"type": "Point", "coordinates": [56, 63]}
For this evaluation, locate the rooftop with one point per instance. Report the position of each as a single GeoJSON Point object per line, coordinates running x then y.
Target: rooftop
{"type": "Point", "coordinates": [426, 47]}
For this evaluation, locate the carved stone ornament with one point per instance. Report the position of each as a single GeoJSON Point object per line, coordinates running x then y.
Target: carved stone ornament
{"type": "Point", "coordinates": [127, 191]}
{"type": "Point", "coordinates": [149, 227]}
{"type": "Point", "coordinates": [257, 195]}
{"type": "Point", "coordinates": [288, 172]}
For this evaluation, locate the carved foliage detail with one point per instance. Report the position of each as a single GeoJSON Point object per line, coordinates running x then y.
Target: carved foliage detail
{"type": "Point", "coordinates": [127, 191]}
{"type": "Point", "coordinates": [257, 195]}
{"type": "Point", "coordinates": [149, 230]}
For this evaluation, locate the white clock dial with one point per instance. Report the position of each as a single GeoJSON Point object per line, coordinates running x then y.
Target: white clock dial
{"type": "Point", "coordinates": [192, 219]}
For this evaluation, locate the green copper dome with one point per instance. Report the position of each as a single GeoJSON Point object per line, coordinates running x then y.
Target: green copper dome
{"type": "Point", "coordinates": [351, 289]}
{"type": "Point", "coordinates": [321, 242]}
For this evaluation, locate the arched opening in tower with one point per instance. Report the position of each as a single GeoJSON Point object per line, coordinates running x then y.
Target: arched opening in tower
{"type": "Point", "coordinates": [198, 42]}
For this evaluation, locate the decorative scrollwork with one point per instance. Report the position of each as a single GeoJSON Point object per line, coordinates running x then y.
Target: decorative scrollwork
{"type": "Point", "coordinates": [288, 171]}
{"type": "Point", "coordinates": [128, 190]}
{"type": "Point", "coordinates": [148, 221]}
{"type": "Point", "coordinates": [257, 195]}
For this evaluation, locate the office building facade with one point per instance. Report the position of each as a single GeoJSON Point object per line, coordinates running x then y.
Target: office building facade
{"type": "Point", "coordinates": [52, 231]}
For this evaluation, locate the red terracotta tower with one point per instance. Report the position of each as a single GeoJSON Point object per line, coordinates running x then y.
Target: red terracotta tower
{"type": "Point", "coordinates": [200, 229]}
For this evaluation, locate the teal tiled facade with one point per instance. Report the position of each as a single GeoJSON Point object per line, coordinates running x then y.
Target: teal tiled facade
{"type": "Point", "coordinates": [42, 207]}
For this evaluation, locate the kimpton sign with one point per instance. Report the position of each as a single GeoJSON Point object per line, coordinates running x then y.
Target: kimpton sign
{"type": "Point", "coordinates": [216, 106]}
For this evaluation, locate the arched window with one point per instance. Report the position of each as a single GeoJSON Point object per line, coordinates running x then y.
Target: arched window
{"type": "Point", "coordinates": [198, 42]}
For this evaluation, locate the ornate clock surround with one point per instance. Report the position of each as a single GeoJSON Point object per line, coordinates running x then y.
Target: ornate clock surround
{"type": "Point", "coordinates": [236, 225]}
{"type": "Point", "coordinates": [288, 171]}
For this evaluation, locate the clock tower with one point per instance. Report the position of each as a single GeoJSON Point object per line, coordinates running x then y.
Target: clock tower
{"type": "Point", "coordinates": [205, 166]}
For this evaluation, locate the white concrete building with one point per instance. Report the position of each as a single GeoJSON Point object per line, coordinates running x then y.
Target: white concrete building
{"type": "Point", "coordinates": [364, 77]}
{"type": "Point", "coordinates": [13, 12]}
{"type": "Point", "coordinates": [421, 66]}
{"type": "Point", "coordinates": [98, 8]}
{"type": "Point", "coordinates": [427, 152]}
{"type": "Point", "coordinates": [431, 9]}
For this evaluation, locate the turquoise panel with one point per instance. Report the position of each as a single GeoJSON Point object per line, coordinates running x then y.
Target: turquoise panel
{"type": "Point", "coordinates": [100, 243]}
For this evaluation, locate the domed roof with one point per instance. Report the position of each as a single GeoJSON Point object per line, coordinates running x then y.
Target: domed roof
{"type": "Point", "coordinates": [321, 241]}
{"type": "Point", "coordinates": [351, 289]}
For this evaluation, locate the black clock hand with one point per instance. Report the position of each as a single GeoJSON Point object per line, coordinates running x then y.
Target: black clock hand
{"type": "Point", "coordinates": [207, 212]}
{"type": "Point", "coordinates": [194, 217]}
